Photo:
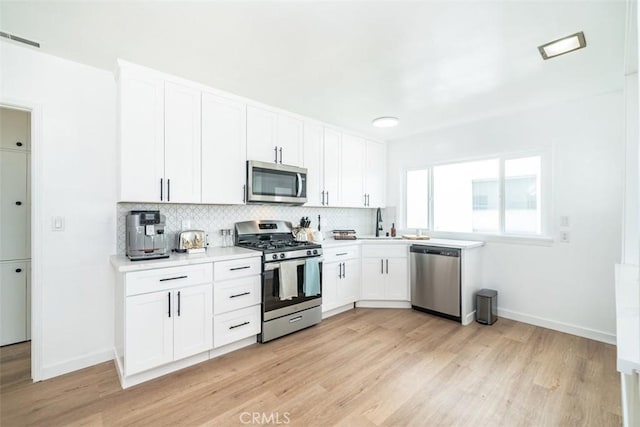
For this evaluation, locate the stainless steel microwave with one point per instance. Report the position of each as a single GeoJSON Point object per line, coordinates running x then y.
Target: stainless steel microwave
{"type": "Point", "coordinates": [276, 183]}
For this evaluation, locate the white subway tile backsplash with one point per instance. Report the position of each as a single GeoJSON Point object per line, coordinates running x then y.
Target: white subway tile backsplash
{"type": "Point", "coordinates": [213, 218]}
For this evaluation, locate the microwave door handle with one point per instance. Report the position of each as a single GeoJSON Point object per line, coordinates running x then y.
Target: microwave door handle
{"type": "Point", "coordinates": [299, 179]}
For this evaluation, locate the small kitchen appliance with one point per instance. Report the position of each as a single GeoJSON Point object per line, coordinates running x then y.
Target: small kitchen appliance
{"type": "Point", "coordinates": [145, 236]}
{"type": "Point", "coordinates": [291, 277]}
{"type": "Point", "coordinates": [191, 241]}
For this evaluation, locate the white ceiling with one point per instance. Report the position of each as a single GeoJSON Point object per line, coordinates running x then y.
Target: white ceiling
{"type": "Point", "coordinates": [430, 63]}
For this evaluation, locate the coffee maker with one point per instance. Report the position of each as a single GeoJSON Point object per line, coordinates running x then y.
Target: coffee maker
{"type": "Point", "coordinates": [145, 236]}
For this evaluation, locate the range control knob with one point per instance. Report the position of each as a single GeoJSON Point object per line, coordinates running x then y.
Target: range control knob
{"type": "Point", "coordinates": [308, 252]}
{"type": "Point", "coordinates": [315, 252]}
{"type": "Point", "coordinates": [281, 255]}
{"type": "Point", "coordinates": [274, 256]}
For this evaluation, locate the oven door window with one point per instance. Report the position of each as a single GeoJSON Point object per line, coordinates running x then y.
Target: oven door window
{"type": "Point", "coordinates": [271, 292]}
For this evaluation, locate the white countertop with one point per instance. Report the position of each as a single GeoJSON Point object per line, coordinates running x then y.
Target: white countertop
{"type": "Point", "coordinates": [628, 318]}
{"type": "Point", "coordinates": [446, 243]}
{"type": "Point", "coordinates": [123, 264]}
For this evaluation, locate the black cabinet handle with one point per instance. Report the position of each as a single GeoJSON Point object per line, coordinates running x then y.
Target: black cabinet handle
{"type": "Point", "coordinates": [327, 198]}
{"type": "Point", "coordinates": [18, 203]}
{"type": "Point", "coordinates": [173, 278]}
{"type": "Point", "coordinates": [237, 326]}
{"type": "Point", "coordinates": [240, 295]}
{"type": "Point", "coordinates": [240, 268]}
{"type": "Point", "coordinates": [280, 155]}
{"type": "Point", "coordinates": [276, 151]}
{"type": "Point", "coordinates": [18, 270]}
{"type": "Point", "coordinates": [19, 144]}
{"type": "Point", "coordinates": [381, 266]}
{"type": "Point", "coordinates": [342, 253]}
{"type": "Point", "coordinates": [161, 185]}
{"type": "Point", "coordinates": [344, 270]}
{"type": "Point", "coordinates": [322, 197]}
{"type": "Point", "coordinates": [244, 193]}
{"type": "Point", "coordinates": [168, 190]}
{"type": "Point", "coordinates": [169, 299]}
{"type": "Point", "coordinates": [387, 266]}
{"type": "Point", "coordinates": [178, 303]}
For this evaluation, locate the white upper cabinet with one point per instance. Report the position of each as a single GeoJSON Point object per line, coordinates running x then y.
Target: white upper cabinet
{"type": "Point", "coordinates": [15, 129]}
{"type": "Point", "coordinates": [313, 161]}
{"type": "Point", "coordinates": [274, 137]}
{"type": "Point", "coordinates": [352, 171]}
{"type": "Point", "coordinates": [224, 138]}
{"type": "Point", "coordinates": [182, 143]}
{"type": "Point", "coordinates": [141, 136]}
{"type": "Point", "coordinates": [375, 174]}
{"type": "Point", "coordinates": [332, 159]}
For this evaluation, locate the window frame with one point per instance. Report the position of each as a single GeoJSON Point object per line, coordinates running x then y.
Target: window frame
{"type": "Point", "coordinates": [546, 206]}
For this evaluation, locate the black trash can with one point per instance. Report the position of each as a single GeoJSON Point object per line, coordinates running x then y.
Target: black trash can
{"type": "Point", "coordinates": [487, 306]}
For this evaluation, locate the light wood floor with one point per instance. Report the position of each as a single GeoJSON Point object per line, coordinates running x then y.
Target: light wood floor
{"type": "Point", "coordinates": [361, 368]}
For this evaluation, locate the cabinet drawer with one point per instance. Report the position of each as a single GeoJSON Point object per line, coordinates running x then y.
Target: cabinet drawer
{"type": "Point", "coordinates": [236, 268]}
{"type": "Point", "coordinates": [235, 294]}
{"type": "Point", "coordinates": [141, 282]}
{"type": "Point", "coordinates": [341, 253]}
{"type": "Point", "coordinates": [385, 251]}
{"type": "Point", "coordinates": [236, 325]}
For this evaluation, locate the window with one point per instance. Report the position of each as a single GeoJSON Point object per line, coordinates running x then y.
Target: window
{"type": "Point", "coordinates": [499, 196]}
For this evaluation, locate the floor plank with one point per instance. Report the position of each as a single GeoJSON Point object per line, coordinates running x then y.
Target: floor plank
{"type": "Point", "coordinates": [365, 367]}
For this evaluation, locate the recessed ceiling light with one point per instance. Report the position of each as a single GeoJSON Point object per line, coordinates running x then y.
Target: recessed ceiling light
{"type": "Point", "coordinates": [564, 45]}
{"type": "Point", "coordinates": [385, 122]}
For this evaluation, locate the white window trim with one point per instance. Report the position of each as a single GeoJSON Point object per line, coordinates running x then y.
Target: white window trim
{"type": "Point", "coordinates": [543, 239]}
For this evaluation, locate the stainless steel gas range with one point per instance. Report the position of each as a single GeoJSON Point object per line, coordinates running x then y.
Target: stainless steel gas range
{"type": "Point", "coordinates": [291, 277]}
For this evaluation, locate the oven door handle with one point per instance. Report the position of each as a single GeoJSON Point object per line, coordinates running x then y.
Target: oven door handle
{"type": "Point", "coordinates": [299, 180]}
{"type": "Point", "coordinates": [275, 265]}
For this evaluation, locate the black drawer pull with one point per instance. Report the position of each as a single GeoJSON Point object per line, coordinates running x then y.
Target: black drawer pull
{"type": "Point", "coordinates": [173, 278]}
{"type": "Point", "coordinates": [18, 270]}
{"type": "Point", "coordinates": [240, 268]}
{"type": "Point", "coordinates": [240, 295]}
{"type": "Point", "coordinates": [237, 326]}
{"type": "Point", "coordinates": [343, 253]}
{"type": "Point", "coordinates": [169, 299]}
{"type": "Point", "coordinates": [178, 303]}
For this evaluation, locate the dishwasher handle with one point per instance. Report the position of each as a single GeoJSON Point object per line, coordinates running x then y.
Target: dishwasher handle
{"type": "Point", "coordinates": [433, 250]}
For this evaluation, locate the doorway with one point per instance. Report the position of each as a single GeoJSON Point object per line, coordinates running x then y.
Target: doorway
{"type": "Point", "coordinates": [15, 244]}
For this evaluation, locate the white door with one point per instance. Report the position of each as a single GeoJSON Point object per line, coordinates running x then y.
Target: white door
{"type": "Point", "coordinates": [15, 129]}
{"type": "Point", "coordinates": [349, 286]}
{"type": "Point", "coordinates": [289, 138]}
{"type": "Point", "coordinates": [261, 135]}
{"type": "Point", "coordinates": [141, 137]}
{"type": "Point", "coordinates": [352, 171]}
{"type": "Point", "coordinates": [397, 279]}
{"type": "Point", "coordinates": [182, 160]}
{"type": "Point", "coordinates": [330, 280]}
{"type": "Point", "coordinates": [224, 145]}
{"type": "Point", "coordinates": [14, 205]}
{"type": "Point", "coordinates": [193, 321]}
{"type": "Point", "coordinates": [331, 175]}
{"type": "Point", "coordinates": [375, 175]}
{"type": "Point", "coordinates": [148, 331]}
{"type": "Point", "coordinates": [373, 279]}
{"type": "Point", "coordinates": [13, 302]}
{"type": "Point", "coordinates": [313, 157]}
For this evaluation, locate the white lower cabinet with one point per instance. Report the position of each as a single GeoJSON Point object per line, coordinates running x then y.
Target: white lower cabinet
{"type": "Point", "coordinates": [14, 302]}
{"type": "Point", "coordinates": [236, 325]}
{"type": "Point", "coordinates": [385, 273]}
{"type": "Point", "coordinates": [340, 277]}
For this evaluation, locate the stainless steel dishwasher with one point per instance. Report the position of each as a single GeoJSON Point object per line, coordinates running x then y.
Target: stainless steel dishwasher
{"type": "Point", "coordinates": [435, 280]}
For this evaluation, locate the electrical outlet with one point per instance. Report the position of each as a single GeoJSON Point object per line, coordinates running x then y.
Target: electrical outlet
{"type": "Point", "coordinates": [565, 237]}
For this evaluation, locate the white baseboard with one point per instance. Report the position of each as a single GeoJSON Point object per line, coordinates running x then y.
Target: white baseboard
{"type": "Point", "coordinates": [233, 346]}
{"type": "Point", "coordinates": [75, 364]}
{"type": "Point", "coordinates": [467, 319]}
{"type": "Point", "coordinates": [558, 326]}
{"type": "Point", "coordinates": [337, 310]}
{"type": "Point", "coordinates": [383, 304]}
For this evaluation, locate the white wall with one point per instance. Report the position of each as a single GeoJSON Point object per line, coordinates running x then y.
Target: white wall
{"type": "Point", "coordinates": [631, 234]}
{"type": "Point", "coordinates": [567, 286]}
{"type": "Point", "coordinates": [77, 151]}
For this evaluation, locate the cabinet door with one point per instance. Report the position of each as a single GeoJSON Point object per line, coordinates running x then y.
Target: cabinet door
{"type": "Point", "coordinates": [289, 138]}
{"type": "Point", "coordinates": [261, 135]}
{"type": "Point", "coordinates": [375, 175]}
{"type": "Point", "coordinates": [193, 321]}
{"type": "Point", "coordinates": [224, 144]}
{"type": "Point", "coordinates": [148, 331]}
{"type": "Point", "coordinates": [373, 279]}
{"type": "Point", "coordinates": [352, 171]}
{"type": "Point", "coordinates": [15, 129]}
{"type": "Point", "coordinates": [182, 143]}
{"type": "Point", "coordinates": [349, 286]}
{"type": "Point", "coordinates": [141, 137]}
{"type": "Point", "coordinates": [13, 302]}
{"type": "Point", "coordinates": [397, 279]}
{"type": "Point", "coordinates": [14, 205]}
{"type": "Point", "coordinates": [313, 158]}
{"type": "Point", "coordinates": [330, 279]}
{"type": "Point", "coordinates": [332, 140]}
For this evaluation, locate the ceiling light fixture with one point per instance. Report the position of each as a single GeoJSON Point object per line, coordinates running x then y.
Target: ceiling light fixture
{"type": "Point", "coordinates": [564, 45]}
{"type": "Point", "coordinates": [385, 122]}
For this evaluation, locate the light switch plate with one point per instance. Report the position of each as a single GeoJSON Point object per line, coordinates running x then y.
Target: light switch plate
{"type": "Point", "coordinates": [57, 223]}
{"type": "Point", "coordinates": [564, 221]}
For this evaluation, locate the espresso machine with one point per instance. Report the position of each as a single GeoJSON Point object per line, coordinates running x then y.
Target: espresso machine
{"type": "Point", "coordinates": [145, 236]}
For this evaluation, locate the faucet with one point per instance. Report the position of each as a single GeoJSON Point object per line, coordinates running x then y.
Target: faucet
{"type": "Point", "coordinates": [378, 222]}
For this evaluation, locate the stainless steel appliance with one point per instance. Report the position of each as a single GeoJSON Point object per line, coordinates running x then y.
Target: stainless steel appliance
{"type": "Point", "coordinates": [284, 259]}
{"type": "Point", "coordinates": [276, 183]}
{"type": "Point", "coordinates": [435, 280]}
{"type": "Point", "coordinates": [145, 236]}
{"type": "Point", "coordinates": [191, 241]}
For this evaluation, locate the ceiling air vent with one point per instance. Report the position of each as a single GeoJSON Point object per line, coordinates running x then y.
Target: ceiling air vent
{"type": "Point", "coordinates": [19, 39]}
